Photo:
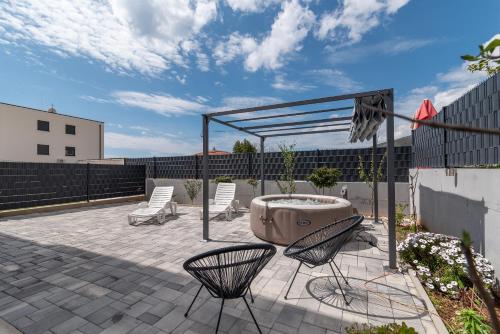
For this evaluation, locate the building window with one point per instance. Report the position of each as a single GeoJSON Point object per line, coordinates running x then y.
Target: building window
{"type": "Point", "coordinates": [70, 129]}
{"type": "Point", "coordinates": [70, 151]}
{"type": "Point", "coordinates": [43, 126]}
{"type": "Point", "coordinates": [42, 149]}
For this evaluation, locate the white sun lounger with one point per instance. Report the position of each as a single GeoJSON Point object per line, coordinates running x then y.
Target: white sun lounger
{"type": "Point", "coordinates": [224, 201]}
{"type": "Point", "coordinates": [160, 199]}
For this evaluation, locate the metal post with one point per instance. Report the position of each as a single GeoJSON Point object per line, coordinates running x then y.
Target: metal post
{"type": "Point", "coordinates": [391, 192]}
{"type": "Point", "coordinates": [445, 140]}
{"type": "Point", "coordinates": [155, 172]}
{"type": "Point", "coordinates": [88, 180]}
{"type": "Point", "coordinates": [206, 185]}
{"type": "Point", "coordinates": [375, 182]}
{"type": "Point", "coordinates": [262, 176]}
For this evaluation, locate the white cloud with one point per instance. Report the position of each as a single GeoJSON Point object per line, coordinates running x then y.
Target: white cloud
{"type": "Point", "coordinates": [203, 62]}
{"type": "Point", "coordinates": [250, 5]}
{"type": "Point", "coordinates": [334, 78]}
{"type": "Point", "coordinates": [238, 102]}
{"type": "Point", "coordinates": [353, 18]}
{"type": "Point", "coordinates": [151, 144]}
{"type": "Point", "coordinates": [235, 45]}
{"type": "Point", "coordinates": [353, 54]}
{"type": "Point", "coordinates": [162, 104]}
{"type": "Point", "coordinates": [125, 35]}
{"type": "Point", "coordinates": [290, 28]}
{"type": "Point", "coordinates": [282, 83]}
{"type": "Point", "coordinates": [457, 82]}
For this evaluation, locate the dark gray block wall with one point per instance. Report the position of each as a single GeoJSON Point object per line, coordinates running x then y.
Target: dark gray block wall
{"type": "Point", "coordinates": [24, 184]}
{"type": "Point", "coordinates": [245, 166]}
{"type": "Point", "coordinates": [480, 107]}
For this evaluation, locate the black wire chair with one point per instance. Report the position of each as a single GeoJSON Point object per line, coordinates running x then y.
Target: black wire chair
{"type": "Point", "coordinates": [228, 272]}
{"type": "Point", "coordinates": [321, 246]}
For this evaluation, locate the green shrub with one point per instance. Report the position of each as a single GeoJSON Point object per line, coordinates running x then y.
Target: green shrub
{"type": "Point", "coordinates": [472, 322]}
{"type": "Point", "coordinates": [223, 179]}
{"type": "Point", "coordinates": [193, 187]}
{"type": "Point", "coordinates": [400, 212]}
{"type": "Point", "coordinates": [324, 177]}
{"type": "Point", "coordinates": [383, 329]}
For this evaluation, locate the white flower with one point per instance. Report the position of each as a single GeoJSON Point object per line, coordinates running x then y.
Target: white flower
{"type": "Point", "coordinates": [449, 286]}
{"type": "Point", "coordinates": [454, 283]}
{"type": "Point", "coordinates": [415, 261]}
{"type": "Point", "coordinates": [437, 279]}
{"type": "Point", "coordinates": [429, 285]}
{"type": "Point", "coordinates": [443, 288]}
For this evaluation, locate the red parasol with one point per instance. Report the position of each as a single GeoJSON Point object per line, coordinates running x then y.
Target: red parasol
{"type": "Point", "coordinates": [425, 111]}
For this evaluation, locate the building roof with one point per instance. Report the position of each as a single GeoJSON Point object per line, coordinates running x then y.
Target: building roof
{"type": "Point", "coordinates": [215, 152]}
{"type": "Point", "coordinates": [51, 113]}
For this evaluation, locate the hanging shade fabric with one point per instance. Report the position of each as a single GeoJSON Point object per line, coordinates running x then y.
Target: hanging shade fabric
{"type": "Point", "coordinates": [365, 117]}
{"type": "Point", "coordinates": [425, 111]}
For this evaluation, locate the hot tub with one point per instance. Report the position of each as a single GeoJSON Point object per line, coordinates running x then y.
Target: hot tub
{"type": "Point", "coordinates": [282, 219]}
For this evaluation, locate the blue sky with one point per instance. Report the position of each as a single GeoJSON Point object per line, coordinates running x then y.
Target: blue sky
{"type": "Point", "coordinates": [149, 68]}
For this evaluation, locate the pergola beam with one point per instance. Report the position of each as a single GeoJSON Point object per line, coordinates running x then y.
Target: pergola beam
{"type": "Point", "coordinates": [299, 103]}
{"type": "Point", "coordinates": [290, 115]}
{"type": "Point", "coordinates": [234, 127]}
{"type": "Point", "coordinates": [303, 127]}
{"type": "Point", "coordinates": [306, 132]}
{"type": "Point", "coordinates": [314, 121]}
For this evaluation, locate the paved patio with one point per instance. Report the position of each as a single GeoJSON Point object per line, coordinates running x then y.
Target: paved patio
{"type": "Point", "coordinates": [88, 271]}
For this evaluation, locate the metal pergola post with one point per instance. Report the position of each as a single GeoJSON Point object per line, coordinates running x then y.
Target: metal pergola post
{"type": "Point", "coordinates": [375, 182]}
{"type": "Point", "coordinates": [206, 184]}
{"type": "Point", "coordinates": [391, 191]}
{"type": "Point", "coordinates": [262, 175]}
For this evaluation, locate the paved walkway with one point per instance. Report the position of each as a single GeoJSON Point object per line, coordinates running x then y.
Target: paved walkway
{"type": "Point", "coordinates": [88, 271]}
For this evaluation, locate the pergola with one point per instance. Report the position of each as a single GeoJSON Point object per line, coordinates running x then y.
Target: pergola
{"type": "Point", "coordinates": [283, 128]}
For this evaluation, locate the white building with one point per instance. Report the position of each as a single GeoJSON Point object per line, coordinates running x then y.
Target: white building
{"type": "Point", "coordinates": [33, 135]}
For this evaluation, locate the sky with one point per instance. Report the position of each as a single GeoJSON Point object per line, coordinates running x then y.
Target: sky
{"type": "Point", "coordinates": [150, 68]}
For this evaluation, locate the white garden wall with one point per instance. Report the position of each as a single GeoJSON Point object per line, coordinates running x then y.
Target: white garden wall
{"type": "Point", "coordinates": [358, 192]}
{"type": "Point", "coordinates": [468, 200]}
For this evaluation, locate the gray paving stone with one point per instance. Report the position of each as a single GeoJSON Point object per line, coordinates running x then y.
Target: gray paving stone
{"type": "Point", "coordinates": [69, 325]}
{"type": "Point", "coordinates": [88, 268]}
{"type": "Point", "coordinates": [48, 321]}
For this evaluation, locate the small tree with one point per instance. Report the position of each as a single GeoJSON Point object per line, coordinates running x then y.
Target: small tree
{"type": "Point", "coordinates": [413, 189]}
{"type": "Point", "coordinates": [244, 146]}
{"type": "Point", "coordinates": [288, 155]}
{"type": "Point", "coordinates": [487, 60]}
{"type": "Point", "coordinates": [223, 179]}
{"type": "Point", "coordinates": [253, 183]}
{"type": "Point", "coordinates": [193, 187]}
{"type": "Point", "coordinates": [324, 177]}
{"type": "Point", "coordinates": [369, 177]}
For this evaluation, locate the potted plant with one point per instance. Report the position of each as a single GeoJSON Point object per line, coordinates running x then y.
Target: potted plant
{"type": "Point", "coordinates": [193, 187]}
{"type": "Point", "coordinates": [254, 183]}
{"type": "Point", "coordinates": [324, 177]}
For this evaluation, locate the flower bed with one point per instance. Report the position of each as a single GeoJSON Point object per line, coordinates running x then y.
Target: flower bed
{"type": "Point", "coordinates": [442, 268]}
{"type": "Point", "coordinates": [440, 263]}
